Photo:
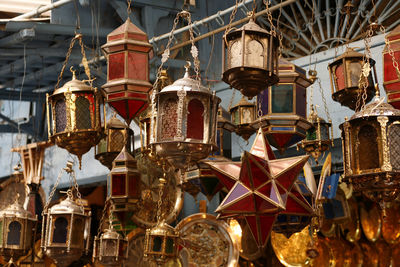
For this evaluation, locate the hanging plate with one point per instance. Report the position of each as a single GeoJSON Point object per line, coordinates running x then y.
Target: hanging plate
{"type": "Point", "coordinates": [325, 255]}
{"type": "Point", "coordinates": [351, 228]}
{"type": "Point", "coordinates": [371, 222]}
{"type": "Point", "coordinates": [391, 224]}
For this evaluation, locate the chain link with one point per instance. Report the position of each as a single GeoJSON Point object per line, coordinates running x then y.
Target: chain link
{"type": "Point", "coordinates": [160, 195]}
{"type": "Point", "coordinates": [366, 70]}
{"type": "Point", "coordinates": [231, 101]}
{"type": "Point", "coordinates": [269, 15]}
{"type": "Point", "coordinates": [324, 100]}
{"type": "Point", "coordinates": [128, 9]}
{"type": "Point", "coordinates": [391, 53]}
{"type": "Point", "coordinates": [53, 190]}
{"type": "Point", "coordinates": [231, 18]}
{"type": "Point", "coordinates": [103, 215]}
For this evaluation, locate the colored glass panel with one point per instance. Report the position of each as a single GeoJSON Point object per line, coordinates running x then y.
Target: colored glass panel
{"type": "Point", "coordinates": [60, 230]}
{"type": "Point", "coordinates": [339, 77]}
{"type": "Point", "coordinates": [282, 98]}
{"type": "Point", "coordinates": [118, 185]}
{"type": "Point", "coordinates": [116, 66]}
{"type": "Point", "coordinates": [61, 116]}
{"type": "Point", "coordinates": [134, 185]}
{"type": "Point", "coordinates": [116, 140]}
{"type": "Point", "coordinates": [169, 119]}
{"type": "Point", "coordinates": [137, 66]}
{"type": "Point", "coordinates": [394, 142]}
{"type": "Point", "coordinates": [14, 233]}
{"type": "Point", "coordinates": [368, 152]}
{"type": "Point", "coordinates": [301, 101]}
{"type": "Point", "coordinates": [262, 99]}
{"type": "Point", "coordinates": [82, 113]}
{"type": "Point", "coordinates": [237, 192]}
{"type": "Point", "coordinates": [195, 120]}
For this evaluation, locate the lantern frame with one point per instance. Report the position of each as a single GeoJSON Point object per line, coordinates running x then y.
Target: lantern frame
{"type": "Point", "coordinates": [242, 119]}
{"type": "Point", "coordinates": [391, 78]}
{"type": "Point", "coordinates": [102, 253]}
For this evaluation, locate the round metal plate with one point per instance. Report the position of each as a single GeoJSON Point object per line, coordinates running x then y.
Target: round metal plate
{"type": "Point", "coordinates": [371, 222]}
{"type": "Point", "coordinates": [351, 228]}
{"type": "Point", "coordinates": [325, 256]}
{"type": "Point", "coordinates": [391, 224]}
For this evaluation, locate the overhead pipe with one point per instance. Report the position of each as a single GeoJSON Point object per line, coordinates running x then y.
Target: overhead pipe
{"type": "Point", "coordinates": [41, 10]}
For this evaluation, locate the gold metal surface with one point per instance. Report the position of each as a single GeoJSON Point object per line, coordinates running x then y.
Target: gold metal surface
{"type": "Point", "coordinates": [371, 222]}
{"type": "Point", "coordinates": [391, 224]}
{"type": "Point", "coordinates": [370, 253]}
{"type": "Point", "coordinates": [351, 227]}
{"type": "Point", "coordinates": [384, 252]}
{"type": "Point", "coordinates": [325, 255]}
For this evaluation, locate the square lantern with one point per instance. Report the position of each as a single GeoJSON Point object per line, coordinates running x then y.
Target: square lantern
{"type": "Point", "coordinates": [283, 107]}
{"type": "Point", "coordinates": [243, 114]}
{"type": "Point", "coordinates": [127, 88]}
{"type": "Point", "coordinates": [391, 76]}
{"type": "Point", "coordinates": [345, 72]}
{"type": "Point", "coordinates": [250, 59]}
{"type": "Point", "coordinates": [111, 249]}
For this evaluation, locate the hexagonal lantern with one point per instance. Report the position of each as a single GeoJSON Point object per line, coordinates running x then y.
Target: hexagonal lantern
{"type": "Point", "coordinates": [371, 151]}
{"type": "Point", "coordinates": [75, 117]}
{"type": "Point", "coordinates": [117, 135]}
{"type": "Point", "coordinates": [127, 88]}
{"type": "Point", "coordinates": [65, 231]}
{"type": "Point", "coordinates": [110, 249]}
{"type": "Point", "coordinates": [345, 73]}
{"type": "Point", "coordinates": [243, 114]}
{"type": "Point", "coordinates": [17, 231]}
{"type": "Point", "coordinates": [391, 77]}
{"type": "Point", "coordinates": [250, 59]}
{"type": "Point", "coordinates": [283, 107]}
{"type": "Point", "coordinates": [185, 115]}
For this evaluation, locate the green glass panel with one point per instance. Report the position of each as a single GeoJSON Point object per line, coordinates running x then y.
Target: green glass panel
{"type": "Point", "coordinates": [282, 98]}
{"type": "Point", "coordinates": [169, 247]}
{"type": "Point", "coordinates": [236, 117]}
{"type": "Point", "coordinates": [157, 241]}
{"type": "Point", "coordinates": [311, 134]}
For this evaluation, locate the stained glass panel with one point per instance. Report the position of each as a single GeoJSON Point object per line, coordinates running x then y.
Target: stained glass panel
{"type": "Point", "coordinates": [394, 145]}
{"type": "Point", "coordinates": [368, 153]}
{"type": "Point", "coordinates": [169, 119]}
{"type": "Point", "coordinates": [77, 231]}
{"type": "Point", "coordinates": [255, 54]}
{"type": "Point", "coordinates": [282, 98]}
{"type": "Point", "coordinates": [82, 113]}
{"type": "Point", "coordinates": [61, 116]}
{"type": "Point", "coordinates": [195, 120]}
{"type": "Point", "coordinates": [14, 233]}
{"type": "Point", "coordinates": [118, 185]}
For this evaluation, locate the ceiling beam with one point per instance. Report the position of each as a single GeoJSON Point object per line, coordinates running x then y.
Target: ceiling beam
{"type": "Point", "coordinates": [26, 127]}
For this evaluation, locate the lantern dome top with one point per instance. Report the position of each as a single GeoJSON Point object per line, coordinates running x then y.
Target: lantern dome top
{"type": "Point", "coordinates": [186, 83]}
{"type": "Point", "coordinates": [114, 122]}
{"type": "Point", "coordinates": [242, 103]}
{"type": "Point", "coordinates": [313, 117]}
{"type": "Point", "coordinates": [73, 85]}
{"type": "Point", "coordinates": [67, 206]}
{"type": "Point", "coordinates": [110, 233]}
{"type": "Point", "coordinates": [123, 160]}
{"type": "Point", "coordinates": [376, 108]}
{"type": "Point", "coordinates": [251, 26]}
{"type": "Point", "coordinates": [16, 210]}
{"type": "Point", "coordinates": [394, 33]}
{"type": "Point", "coordinates": [126, 28]}
{"type": "Point", "coordinates": [163, 229]}
{"type": "Point", "coordinates": [350, 53]}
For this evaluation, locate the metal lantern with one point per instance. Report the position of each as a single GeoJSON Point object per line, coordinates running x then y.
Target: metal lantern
{"type": "Point", "coordinates": [161, 243]}
{"type": "Point", "coordinates": [111, 249]}
{"type": "Point", "coordinates": [75, 113]}
{"type": "Point", "coordinates": [283, 107]}
{"type": "Point", "coordinates": [17, 231]}
{"type": "Point", "coordinates": [391, 74]}
{"type": "Point", "coordinates": [345, 72]}
{"type": "Point", "coordinates": [117, 135]}
{"type": "Point", "coordinates": [250, 59]}
{"type": "Point", "coordinates": [318, 138]}
{"type": "Point", "coordinates": [371, 151]}
{"type": "Point", "coordinates": [185, 115]}
{"type": "Point", "coordinates": [243, 114]}
{"type": "Point", "coordinates": [127, 88]}
{"type": "Point", "coordinates": [124, 185]}
{"type": "Point", "coordinates": [65, 231]}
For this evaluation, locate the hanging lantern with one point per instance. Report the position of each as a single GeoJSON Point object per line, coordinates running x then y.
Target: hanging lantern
{"type": "Point", "coordinates": [370, 151]}
{"type": "Point", "coordinates": [318, 137]}
{"type": "Point", "coordinates": [17, 231]}
{"type": "Point", "coordinates": [391, 74]}
{"type": "Point", "coordinates": [250, 59]}
{"type": "Point", "coordinates": [117, 135]}
{"type": "Point", "coordinates": [345, 72]}
{"type": "Point", "coordinates": [161, 243]}
{"type": "Point", "coordinates": [185, 116]}
{"type": "Point", "coordinates": [127, 88]}
{"type": "Point", "coordinates": [243, 114]}
{"type": "Point", "coordinates": [124, 185]}
{"type": "Point", "coordinates": [283, 107]}
{"type": "Point", "coordinates": [110, 249]}
{"type": "Point", "coordinates": [75, 113]}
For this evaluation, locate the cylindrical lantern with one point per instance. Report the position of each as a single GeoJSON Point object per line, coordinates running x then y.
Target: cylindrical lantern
{"type": "Point", "coordinates": [185, 116]}
{"type": "Point", "coordinates": [345, 72]}
{"type": "Point", "coordinates": [117, 135]}
{"type": "Point", "coordinates": [371, 149]}
{"type": "Point", "coordinates": [283, 107]}
{"type": "Point", "coordinates": [250, 59]}
{"type": "Point", "coordinates": [391, 74]}
{"type": "Point", "coordinates": [75, 117]}
{"type": "Point", "coordinates": [17, 231]}
{"type": "Point", "coordinates": [161, 243]}
{"type": "Point", "coordinates": [127, 88]}
{"type": "Point", "coordinates": [243, 114]}
{"type": "Point", "coordinates": [110, 249]}
{"type": "Point", "coordinates": [66, 231]}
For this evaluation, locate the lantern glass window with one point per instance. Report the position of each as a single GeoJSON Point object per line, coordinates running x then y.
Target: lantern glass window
{"type": "Point", "coordinates": [137, 67]}
{"type": "Point", "coordinates": [169, 246]}
{"type": "Point", "coordinates": [82, 113]}
{"type": "Point", "coordinates": [247, 115]}
{"type": "Point", "coordinates": [282, 98]}
{"type": "Point", "coordinates": [110, 246]}
{"type": "Point", "coordinates": [134, 189]}
{"type": "Point", "coordinates": [102, 146]}
{"type": "Point", "coordinates": [117, 140]}
{"type": "Point", "coordinates": [61, 116]}
{"type": "Point", "coordinates": [14, 233]}
{"type": "Point", "coordinates": [195, 120]}
{"type": "Point", "coordinates": [118, 184]}
{"type": "Point", "coordinates": [60, 230]}
{"type": "Point", "coordinates": [254, 54]}
{"type": "Point", "coordinates": [157, 244]}
{"type": "Point", "coordinates": [368, 152]}
{"type": "Point", "coordinates": [1, 232]}
{"type": "Point", "coordinates": [235, 54]}
{"type": "Point", "coordinates": [394, 142]}
{"type": "Point", "coordinates": [354, 70]}
{"type": "Point", "coordinates": [77, 231]}
{"type": "Point", "coordinates": [116, 66]}
{"type": "Point", "coordinates": [311, 134]}
{"type": "Point", "coordinates": [324, 131]}
{"type": "Point", "coordinates": [169, 119]}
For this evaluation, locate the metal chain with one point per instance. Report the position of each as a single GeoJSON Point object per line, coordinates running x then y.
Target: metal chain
{"type": "Point", "coordinates": [269, 15]}
{"type": "Point", "coordinates": [231, 18]}
{"type": "Point", "coordinates": [231, 101]}
{"type": "Point", "coordinates": [194, 51]}
{"type": "Point", "coordinates": [53, 190]}
{"type": "Point", "coordinates": [366, 67]}
{"type": "Point", "coordinates": [103, 215]}
{"type": "Point", "coordinates": [390, 50]}
{"type": "Point", "coordinates": [128, 8]}
{"type": "Point", "coordinates": [259, 111]}
{"type": "Point", "coordinates": [162, 181]}
{"type": "Point", "coordinates": [71, 45]}
{"type": "Point", "coordinates": [324, 100]}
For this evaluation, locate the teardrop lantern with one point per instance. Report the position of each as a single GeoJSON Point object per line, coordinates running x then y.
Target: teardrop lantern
{"type": "Point", "coordinates": [283, 107]}
{"type": "Point", "coordinates": [250, 59]}
{"type": "Point", "coordinates": [243, 114]}
{"type": "Point", "coordinates": [371, 151]}
{"type": "Point", "coordinates": [345, 72]}
{"type": "Point", "coordinates": [391, 73]}
{"type": "Point", "coordinates": [127, 88]}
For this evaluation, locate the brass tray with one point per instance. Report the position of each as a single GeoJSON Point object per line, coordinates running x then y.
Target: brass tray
{"type": "Point", "coordinates": [370, 254]}
{"type": "Point", "coordinates": [325, 254]}
{"type": "Point", "coordinates": [371, 222]}
{"type": "Point", "coordinates": [391, 224]}
{"type": "Point", "coordinates": [351, 228]}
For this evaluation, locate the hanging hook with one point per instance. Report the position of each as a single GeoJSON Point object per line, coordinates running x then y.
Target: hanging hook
{"type": "Point", "coordinates": [128, 8]}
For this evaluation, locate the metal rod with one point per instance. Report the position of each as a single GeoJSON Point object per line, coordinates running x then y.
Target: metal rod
{"type": "Point", "coordinates": [41, 10]}
{"type": "Point", "coordinates": [318, 18]}
{"type": "Point", "coordinates": [328, 19]}
{"type": "Point", "coordinates": [308, 22]}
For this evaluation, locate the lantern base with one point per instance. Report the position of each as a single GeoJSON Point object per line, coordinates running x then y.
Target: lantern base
{"type": "Point", "coordinates": [314, 147]}
{"type": "Point", "coordinates": [14, 254]}
{"type": "Point", "coordinates": [61, 256]}
{"type": "Point", "coordinates": [249, 81]}
{"type": "Point", "coordinates": [106, 158]}
{"type": "Point", "coordinates": [348, 96]}
{"type": "Point", "coordinates": [245, 131]}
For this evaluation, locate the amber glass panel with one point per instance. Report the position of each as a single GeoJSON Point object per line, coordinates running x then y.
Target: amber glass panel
{"type": "Point", "coordinates": [116, 66]}
{"type": "Point", "coordinates": [195, 120]}
{"type": "Point", "coordinates": [82, 113]}
{"type": "Point", "coordinates": [394, 145]}
{"type": "Point", "coordinates": [118, 185]}
{"type": "Point", "coordinates": [157, 242]}
{"type": "Point", "coordinates": [137, 66]}
{"type": "Point", "coordinates": [78, 229]}
{"type": "Point", "coordinates": [110, 248]}
{"type": "Point", "coordinates": [282, 98]}
{"type": "Point", "coordinates": [116, 140]}
{"type": "Point", "coordinates": [14, 233]}
{"type": "Point", "coordinates": [339, 77]}
{"type": "Point", "coordinates": [61, 116]}
{"type": "Point", "coordinates": [235, 54]}
{"type": "Point", "coordinates": [60, 230]}
{"type": "Point", "coordinates": [254, 56]}
{"type": "Point", "coordinates": [134, 185]}
{"type": "Point", "coordinates": [169, 247]}
{"type": "Point", "coordinates": [368, 153]}
{"type": "Point", "coordinates": [169, 119]}
{"type": "Point", "coordinates": [354, 69]}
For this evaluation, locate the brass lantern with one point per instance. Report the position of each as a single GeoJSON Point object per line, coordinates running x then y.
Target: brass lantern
{"type": "Point", "coordinates": [185, 115]}
{"type": "Point", "coordinates": [124, 185]}
{"type": "Point", "coordinates": [66, 231]}
{"type": "Point", "coordinates": [345, 72]}
{"type": "Point", "coordinates": [391, 74]}
{"type": "Point", "coordinates": [117, 135]}
{"type": "Point", "coordinates": [283, 107]}
{"type": "Point", "coordinates": [75, 113]}
{"type": "Point", "coordinates": [161, 243]}
{"type": "Point", "coordinates": [371, 151]}
{"type": "Point", "coordinates": [17, 231]}
{"type": "Point", "coordinates": [110, 249]}
{"type": "Point", "coordinates": [243, 114]}
{"type": "Point", "coordinates": [250, 59]}
{"type": "Point", "coordinates": [318, 138]}
{"type": "Point", "coordinates": [127, 88]}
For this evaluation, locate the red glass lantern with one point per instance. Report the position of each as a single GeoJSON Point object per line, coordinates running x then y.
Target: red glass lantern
{"type": "Point", "coordinates": [127, 88]}
{"type": "Point", "coordinates": [283, 107]}
{"type": "Point", "coordinates": [391, 75]}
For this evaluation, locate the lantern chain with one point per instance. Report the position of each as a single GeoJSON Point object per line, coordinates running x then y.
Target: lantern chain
{"type": "Point", "coordinates": [390, 50]}
{"type": "Point", "coordinates": [194, 51]}
{"type": "Point", "coordinates": [324, 100]}
{"type": "Point", "coordinates": [231, 18]}
{"type": "Point", "coordinates": [269, 15]}
{"type": "Point", "coordinates": [53, 190]}
{"type": "Point", "coordinates": [106, 205]}
{"type": "Point", "coordinates": [231, 101]}
{"type": "Point", "coordinates": [162, 181]}
{"type": "Point", "coordinates": [128, 8]}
